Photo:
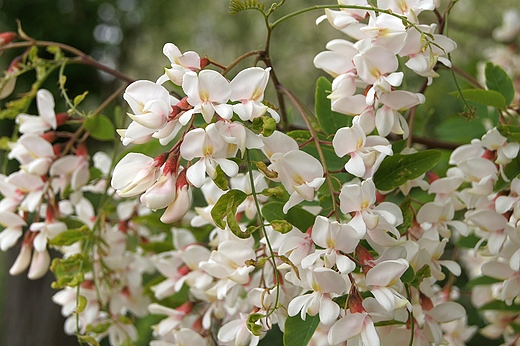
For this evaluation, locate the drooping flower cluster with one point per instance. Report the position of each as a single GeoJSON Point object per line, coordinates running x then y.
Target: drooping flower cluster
{"type": "Point", "coordinates": [275, 236]}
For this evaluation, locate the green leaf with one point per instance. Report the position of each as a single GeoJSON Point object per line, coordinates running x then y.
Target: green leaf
{"type": "Point", "coordinates": [72, 223]}
{"type": "Point", "coordinates": [118, 116]}
{"type": "Point", "coordinates": [78, 99]}
{"type": "Point", "coordinates": [4, 143]}
{"type": "Point", "coordinates": [289, 262]}
{"type": "Point", "coordinates": [299, 332]}
{"type": "Point", "coordinates": [68, 237]}
{"type": "Point", "coordinates": [221, 179]}
{"type": "Point", "coordinates": [225, 209]}
{"type": "Point", "coordinates": [264, 125]}
{"type": "Point", "coordinates": [98, 328]}
{"type": "Point", "coordinates": [100, 127]}
{"type": "Point", "coordinates": [408, 275]}
{"type": "Point", "coordinates": [296, 216]}
{"type": "Point", "coordinates": [237, 6]}
{"type": "Point", "coordinates": [516, 327]}
{"type": "Point", "coordinates": [498, 80]}
{"type": "Point", "coordinates": [276, 191]}
{"type": "Point", "coordinates": [422, 273]}
{"type": "Point", "coordinates": [389, 323]}
{"type": "Point", "coordinates": [510, 131]}
{"type": "Point", "coordinates": [511, 170]}
{"type": "Point", "coordinates": [281, 226]}
{"type": "Point", "coordinates": [300, 135]}
{"type": "Point", "coordinates": [95, 173]}
{"type": "Point", "coordinates": [399, 145]}
{"type": "Point", "coordinates": [485, 97]}
{"type": "Point", "coordinates": [329, 121]}
{"type": "Point", "coordinates": [408, 215]}
{"type": "Point", "coordinates": [231, 219]}
{"type": "Point", "coordinates": [69, 271]}
{"type": "Point", "coordinates": [157, 247]}
{"type": "Point", "coordinates": [468, 242]}
{"type": "Point", "coordinates": [499, 305]}
{"type": "Point", "coordinates": [398, 169]}
{"type": "Point", "coordinates": [342, 300]}
{"type": "Point", "coordinates": [82, 303]}
{"type": "Point", "coordinates": [481, 280]}
{"type": "Point", "coordinates": [262, 167]}
{"type": "Point", "coordinates": [254, 328]}
{"type": "Point", "coordinates": [56, 51]}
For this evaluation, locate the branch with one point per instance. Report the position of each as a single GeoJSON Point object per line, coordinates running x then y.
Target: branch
{"type": "Point", "coordinates": [81, 57]}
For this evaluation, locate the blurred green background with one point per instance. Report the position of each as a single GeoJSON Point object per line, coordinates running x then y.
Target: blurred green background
{"type": "Point", "coordinates": [129, 35]}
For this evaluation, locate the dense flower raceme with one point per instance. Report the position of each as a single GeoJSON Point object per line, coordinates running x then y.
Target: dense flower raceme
{"type": "Point", "coordinates": [372, 268]}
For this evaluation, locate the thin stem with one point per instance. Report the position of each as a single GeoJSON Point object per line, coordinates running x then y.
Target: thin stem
{"type": "Point", "coordinates": [318, 148]}
{"type": "Point", "coordinates": [80, 56]}
{"type": "Point", "coordinates": [412, 319]}
{"type": "Point", "coordinates": [239, 59]}
{"type": "Point", "coordinates": [411, 118]}
{"type": "Point", "coordinates": [433, 143]}
{"type": "Point", "coordinates": [469, 78]}
{"type": "Point", "coordinates": [353, 7]}
{"type": "Point", "coordinates": [109, 99]}
{"type": "Point", "coordinates": [265, 57]}
{"type": "Point", "coordinates": [262, 225]}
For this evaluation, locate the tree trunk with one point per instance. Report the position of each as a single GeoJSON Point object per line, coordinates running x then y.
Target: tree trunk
{"type": "Point", "coordinates": [29, 316]}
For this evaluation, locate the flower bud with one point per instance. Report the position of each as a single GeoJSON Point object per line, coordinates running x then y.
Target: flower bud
{"type": "Point", "coordinates": [22, 261]}
{"type": "Point", "coordinates": [135, 173]}
{"type": "Point", "coordinates": [40, 263]}
{"type": "Point", "coordinates": [61, 118]}
{"type": "Point", "coordinates": [7, 37]}
{"type": "Point", "coordinates": [204, 62]}
{"type": "Point", "coordinates": [356, 301]}
{"type": "Point", "coordinates": [161, 193]}
{"type": "Point", "coordinates": [182, 202]}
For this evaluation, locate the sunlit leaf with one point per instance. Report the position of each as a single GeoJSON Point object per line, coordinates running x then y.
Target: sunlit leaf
{"type": "Point", "coordinates": [297, 216]}
{"type": "Point", "coordinates": [499, 305]}
{"type": "Point", "coordinates": [329, 121]}
{"type": "Point", "coordinates": [100, 128]}
{"type": "Point", "coordinates": [225, 209]}
{"type": "Point", "coordinates": [498, 80]}
{"type": "Point", "coordinates": [485, 97]}
{"type": "Point", "coordinates": [299, 332]}
{"type": "Point", "coordinates": [398, 169]}
{"type": "Point", "coordinates": [68, 237]}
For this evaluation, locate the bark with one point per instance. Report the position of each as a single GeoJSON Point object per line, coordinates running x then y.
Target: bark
{"type": "Point", "coordinates": [29, 316]}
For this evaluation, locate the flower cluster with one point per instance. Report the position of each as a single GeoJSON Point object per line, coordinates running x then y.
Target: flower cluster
{"type": "Point", "coordinates": [225, 223]}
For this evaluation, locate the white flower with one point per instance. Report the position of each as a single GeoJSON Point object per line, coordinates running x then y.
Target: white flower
{"type": "Point", "coordinates": [46, 119]}
{"type": "Point", "coordinates": [248, 88]}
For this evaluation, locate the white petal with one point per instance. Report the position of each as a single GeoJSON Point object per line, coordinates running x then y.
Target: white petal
{"type": "Point", "coordinates": [45, 104]}
{"type": "Point", "coordinates": [446, 312]}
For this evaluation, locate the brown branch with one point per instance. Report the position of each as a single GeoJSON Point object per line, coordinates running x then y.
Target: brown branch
{"type": "Point", "coordinates": [81, 57]}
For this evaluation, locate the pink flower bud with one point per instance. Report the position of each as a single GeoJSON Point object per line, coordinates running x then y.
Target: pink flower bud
{"type": "Point", "coordinates": [356, 301]}
{"type": "Point", "coordinates": [61, 118]}
{"type": "Point", "coordinates": [7, 37]}
{"type": "Point", "coordinates": [182, 202]}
